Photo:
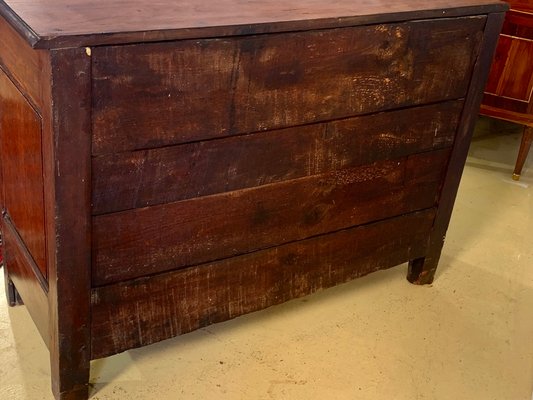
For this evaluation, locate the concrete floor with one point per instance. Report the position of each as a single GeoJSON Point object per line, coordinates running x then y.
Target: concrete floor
{"type": "Point", "coordinates": [468, 336]}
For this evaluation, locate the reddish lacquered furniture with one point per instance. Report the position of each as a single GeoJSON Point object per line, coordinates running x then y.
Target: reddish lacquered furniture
{"type": "Point", "coordinates": [509, 91]}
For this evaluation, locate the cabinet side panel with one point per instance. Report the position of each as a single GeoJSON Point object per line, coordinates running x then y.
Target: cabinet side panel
{"type": "Point", "coordinates": [22, 169]}
{"type": "Point", "coordinates": [28, 67]}
{"type": "Point", "coordinates": [19, 266]}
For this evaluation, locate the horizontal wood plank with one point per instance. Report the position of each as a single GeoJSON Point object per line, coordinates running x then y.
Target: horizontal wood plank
{"type": "Point", "coordinates": [146, 241]}
{"type": "Point", "coordinates": [151, 96]}
{"type": "Point", "coordinates": [76, 23]}
{"type": "Point", "coordinates": [512, 106]}
{"type": "Point", "coordinates": [149, 177]}
{"type": "Point", "coordinates": [496, 112]}
{"type": "Point", "coordinates": [144, 311]}
{"type": "Point", "coordinates": [22, 169]}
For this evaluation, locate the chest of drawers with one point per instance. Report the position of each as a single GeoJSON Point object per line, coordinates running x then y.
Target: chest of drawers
{"type": "Point", "coordinates": [166, 166]}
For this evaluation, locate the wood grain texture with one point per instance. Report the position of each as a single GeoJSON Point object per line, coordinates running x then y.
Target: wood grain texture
{"type": "Point", "coordinates": [149, 177]}
{"type": "Point", "coordinates": [145, 241]}
{"type": "Point", "coordinates": [518, 24]}
{"type": "Point", "coordinates": [501, 111]}
{"type": "Point", "coordinates": [73, 23]}
{"type": "Point", "coordinates": [144, 311]}
{"type": "Point", "coordinates": [511, 75]}
{"type": "Point", "coordinates": [267, 82]}
{"type": "Point", "coordinates": [522, 5]}
{"type": "Point", "coordinates": [18, 265]}
{"type": "Point", "coordinates": [22, 169]}
{"type": "Point", "coordinates": [27, 67]}
{"type": "Point", "coordinates": [69, 294]}
{"type": "Point", "coordinates": [423, 271]}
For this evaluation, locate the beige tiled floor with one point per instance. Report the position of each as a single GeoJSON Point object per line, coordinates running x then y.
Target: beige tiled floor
{"type": "Point", "coordinates": [468, 336]}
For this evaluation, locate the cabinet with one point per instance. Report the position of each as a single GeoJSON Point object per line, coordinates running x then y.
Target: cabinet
{"type": "Point", "coordinates": [180, 166]}
{"type": "Point", "coordinates": [509, 91]}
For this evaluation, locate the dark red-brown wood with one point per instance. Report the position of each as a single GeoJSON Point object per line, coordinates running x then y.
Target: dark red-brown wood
{"type": "Point", "coordinates": [148, 310]}
{"type": "Point", "coordinates": [525, 146]}
{"type": "Point", "coordinates": [257, 83]}
{"type": "Point", "coordinates": [214, 227]}
{"type": "Point", "coordinates": [70, 272]}
{"type": "Point", "coordinates": [27, 67]}
{"type": "Point", "coordinates": [72, 23]}
{"type": "Point", "coordinates": [509, 91]}
{"type": "Point", "coordinates": [21, 276]}
{"type": "Point", "coordinates": [22, 170]}
{"type": "Point", "coordinates": [149, 177]}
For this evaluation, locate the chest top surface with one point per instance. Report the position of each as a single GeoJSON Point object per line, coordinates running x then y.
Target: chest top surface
{"type": "Point", "coordinates": [68, 23]}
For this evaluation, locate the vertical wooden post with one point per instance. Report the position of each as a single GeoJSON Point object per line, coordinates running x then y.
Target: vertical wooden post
{"type": "Point", "coordinates": [70, 263]}
{"type": "Point", "coordinates": [525, 145]}
{"type": "Point", "coordinates": [422, 271]}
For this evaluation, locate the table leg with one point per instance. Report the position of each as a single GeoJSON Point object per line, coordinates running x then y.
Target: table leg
{"type": "Point", "coordinates": [525, 145]}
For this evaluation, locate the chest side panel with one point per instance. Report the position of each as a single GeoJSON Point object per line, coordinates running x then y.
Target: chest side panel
{"type": "Point", "coordinates": [22, 169]}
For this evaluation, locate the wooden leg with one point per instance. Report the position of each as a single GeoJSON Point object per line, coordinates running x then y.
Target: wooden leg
{"type": "Point", "coordinates": [525, 145]}
{"type": "Point", "coordinates": [13, 297]}
{"type": "Point", "coordinates": [422, 270]}
{"type": "Point", "coordinates": [75, 393]}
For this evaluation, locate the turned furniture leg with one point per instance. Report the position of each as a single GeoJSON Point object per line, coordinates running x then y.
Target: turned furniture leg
{"type": "Point", "coordinates": [13, 297]}
{"type": "Point", "coordinates": [525, 145]}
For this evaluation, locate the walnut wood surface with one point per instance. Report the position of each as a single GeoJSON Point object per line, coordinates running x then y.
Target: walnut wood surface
{"type": "Point", "coordinates": [511, 75]}
{"type": "Point", "coordinates": [17, 262]}
{"type": "Point", "coordinates": [149, 177]}
{"type": "Point", "coordinates": [25, 66]}
{"type": "Point", "coordinates": [69, 23]}
{"type": "Point", "coordinates": [148, 310]}
{"type": "Point", "coordinates": [423, 271]}
{"type": "Point", "coordinates": [22, 170]}
{"type": "Point", "coordinates": [214, 227]}
{"type": "Point", "coordinates": [70, 282]}
{"type": "Point", "coordinates": [274, 81]}
{"type": "Point", "coordinates": [525, 146]}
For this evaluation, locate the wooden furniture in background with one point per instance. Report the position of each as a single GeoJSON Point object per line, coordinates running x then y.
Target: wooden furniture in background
{"type": "Point", "coordinates": [165, 167]}
{"type": "Point", "coordinates": [509, 90]}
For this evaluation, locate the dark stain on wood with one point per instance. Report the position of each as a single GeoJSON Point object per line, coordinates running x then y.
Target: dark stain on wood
{"type": "Point", "coordinates": [317, 76]}
{"type": "Point", "coordinates": [149, 177]}
{"type": "Point", "coordinates": [145, 241]}
{"type": "Point", "coordinates": [147, 310]}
